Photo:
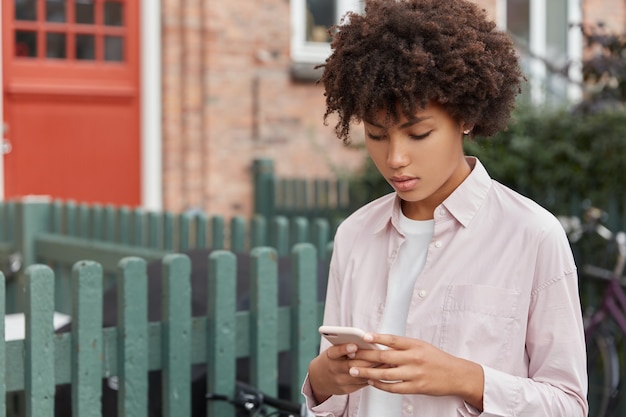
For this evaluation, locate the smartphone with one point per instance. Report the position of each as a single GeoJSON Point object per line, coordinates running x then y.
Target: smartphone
{"type": "Point", "coordinates": [339, 335]}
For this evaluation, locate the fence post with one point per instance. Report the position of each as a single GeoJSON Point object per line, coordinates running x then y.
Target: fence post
{"type": "Point", "coordinates": [132, 328]}
{"type": "Point", "coordinates": [201, 224]}
{"type": "Point", "coordinates": [217, 232]}
{"type": "Point", "coordinates": [87, 339]}
{"type": "Point", "coordinates": [176, 335]}
{"type": "Point", "coordinates": [238, 234]}
{"type": "Point", "coordinates": [304, 320]}
{"type": "Point", "coordinates": [264, 191]}
{"type": "Point", "coordinates": [258, 231]}
{"type": "Point", "coordinates": [264, 320]}
{"type": "Point", "coordinates": [279, 234]}
{"type": "Point", "coordinates": [221, 330]}
{"type": "Point", "coordinates": [39, 343]}
{"type": "Point", "coordinates": [33, 217]}
{"type": "Point", "coordinates": [321, 236]}
{"type": "Point", "coordinates": [299, 229]}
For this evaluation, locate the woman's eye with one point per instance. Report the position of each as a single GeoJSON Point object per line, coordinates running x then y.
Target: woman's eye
{"type": "Point", "coordinates": [420, 137]}
{"type": "Point", "coordinates": [375, 137]}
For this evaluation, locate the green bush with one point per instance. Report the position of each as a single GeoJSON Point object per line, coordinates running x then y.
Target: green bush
{"type": "Point", "coordinates": [558, 157]}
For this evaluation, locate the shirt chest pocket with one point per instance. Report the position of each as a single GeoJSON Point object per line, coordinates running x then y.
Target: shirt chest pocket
{"type": "Point", "coordinates": [480, 323]}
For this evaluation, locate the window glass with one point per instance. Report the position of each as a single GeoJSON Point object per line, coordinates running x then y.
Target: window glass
{"type": "Point", "coordinates": [85, 47]}
{"type": "Point", "coordinates": [85, 12]}
{"type": "Point", "coordinates": [310, 21]}
{"type": "Point", "coordinates": [25, 9]}
{"type": "Point", "coordinates": [25, 43]}
{"type": "Point", "coordinates": [518, 19]}
{"type": "Point", "coordinates": [55, 11]}
{"type": "Point", "coordinates": [113, 13]}
{"type": "Point", "coordinates": [55, 45]}
{"type": "Point", "coordinates": [556, 49]}
{"type": "Point", "coordinates": [113, 48]}
{"type": "Point", "coordinates": [320, 15]}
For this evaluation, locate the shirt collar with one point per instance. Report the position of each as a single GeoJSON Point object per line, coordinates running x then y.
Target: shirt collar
{"type": "Point", "coordinates": [469, 196]}
{"type": "Point", "coordinates": [462, 204]}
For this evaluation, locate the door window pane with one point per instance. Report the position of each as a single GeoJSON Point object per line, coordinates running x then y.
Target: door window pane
{"type": "Point", "coordinates": [25, 9]}
{"type": "Point", "coordinates": [85, 47]}
{"type": "Point", "coordinates": [113, 13]}
{"type": "Point", "coordinates": [85, 12]}
{"type": "Point", "coordinates": [55, 45]}
{"type": "Point", "coordinates": [25, 43]}
{"type": "Point", "coordinates": [320, 15]}
{"type": "Point", "coordinates": [113, 48]}
{"type": "Point", "coordinates": [55, 10]}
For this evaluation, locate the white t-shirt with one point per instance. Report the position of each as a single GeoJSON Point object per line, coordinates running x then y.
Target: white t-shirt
{"type": "Point", "coordinates": [400, 285]}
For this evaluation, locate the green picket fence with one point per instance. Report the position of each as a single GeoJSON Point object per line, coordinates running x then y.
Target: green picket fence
{"type": "Point", "coordinates": [43, 248]}
{"type": "Point", "coordinates": [82, 358]}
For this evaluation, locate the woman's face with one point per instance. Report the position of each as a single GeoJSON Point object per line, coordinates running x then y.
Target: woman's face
{"type": "Point", "coordinates": [421, 157]}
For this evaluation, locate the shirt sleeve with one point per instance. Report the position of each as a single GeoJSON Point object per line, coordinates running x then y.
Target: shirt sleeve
{"type": "Point", "coordinates": [555, 344]}
{"type": "Point", "coordinates": [336, 405]}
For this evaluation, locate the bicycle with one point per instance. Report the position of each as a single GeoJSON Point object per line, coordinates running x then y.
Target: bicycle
{"type": "Point", "coordinates": [605, 324]}
{"type": "Point", "coordinates": [253, 403]}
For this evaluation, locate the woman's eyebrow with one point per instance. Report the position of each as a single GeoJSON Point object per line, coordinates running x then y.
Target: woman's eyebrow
{"type": "Point", "coordinates": [408, 123]}
{"type": "Point", "coordinates": [414, 121]}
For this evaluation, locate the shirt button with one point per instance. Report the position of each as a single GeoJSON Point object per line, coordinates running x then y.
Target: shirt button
{"type": "Point", "coordinates": [409, 408]}
{"type": "Point", "coordinates": [438, 244]}
{"type": "Point", "coordinates": [422, 293]}
{"type": "Point", "coordinates": [441, 212]}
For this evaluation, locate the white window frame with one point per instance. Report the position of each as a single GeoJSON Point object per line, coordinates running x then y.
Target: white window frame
{"type": "Point", "coordinates": [538, 46]}
{"type": "Point", "coordinates": [313, 52]}
{"type": "Point", "coordinates": [575, 46]}
{"type": "Point", "coordinates": [151, 107]}
{"type": "Point", "coordinates": [2, 124]}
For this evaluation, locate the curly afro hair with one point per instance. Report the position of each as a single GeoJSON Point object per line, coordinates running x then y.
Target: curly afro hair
{"type": "Point", "coordinates": [402, 54]}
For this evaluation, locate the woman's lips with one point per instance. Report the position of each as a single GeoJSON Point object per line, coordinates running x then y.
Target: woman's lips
{"type": "Point", "coordinates": [404, 183]}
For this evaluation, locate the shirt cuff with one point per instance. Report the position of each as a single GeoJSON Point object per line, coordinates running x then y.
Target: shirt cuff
{"type": "Point", "coordinates": [470, 411]}
{"type": "Point", "coordinates": [334, 406]}
{"type": "Point", "coordinates": [502, 393]}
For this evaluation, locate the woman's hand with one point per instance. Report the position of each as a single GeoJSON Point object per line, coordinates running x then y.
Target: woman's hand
{"type": "Point", "coordinates": [416, 367]}
{"type": "Point", "coordinates": [329, 372]}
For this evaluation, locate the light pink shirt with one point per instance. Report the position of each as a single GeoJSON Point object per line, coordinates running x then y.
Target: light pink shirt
{"type": "Point", "coordinates": [499, 287]}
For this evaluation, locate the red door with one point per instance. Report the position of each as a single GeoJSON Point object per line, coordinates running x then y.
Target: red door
{"type": "Point", "coordinates": [71, 99]}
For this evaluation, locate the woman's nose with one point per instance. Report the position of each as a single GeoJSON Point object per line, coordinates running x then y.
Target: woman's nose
{"type": "Point", "coordinates": [397, 155]}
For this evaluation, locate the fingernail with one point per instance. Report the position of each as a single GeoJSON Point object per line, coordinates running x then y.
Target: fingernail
{"type": "Point", "coordinates": [368, 337]}
{"type": "Point", "coordinates": [351, 355]}
{"type": "Point", "coordinates": [351, 348]}
{"type": "Point", "coordinates": [354, 372]}
{"type": "Point", "coordinates": [370, 382]}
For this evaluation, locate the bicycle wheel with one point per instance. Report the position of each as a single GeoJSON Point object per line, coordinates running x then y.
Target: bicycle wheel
{"type": "Point", "coordinates": [603, 370]}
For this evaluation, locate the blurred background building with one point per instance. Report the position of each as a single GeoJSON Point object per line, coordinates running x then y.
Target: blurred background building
{"type": "Point", "coordinates": [165, 104]}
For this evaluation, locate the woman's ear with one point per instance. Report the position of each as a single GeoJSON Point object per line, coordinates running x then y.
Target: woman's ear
{"type": "Point", "coordinates": [467, 129]}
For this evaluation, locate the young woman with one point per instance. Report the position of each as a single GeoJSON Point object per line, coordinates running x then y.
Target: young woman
{"type": "Point", "coordinates": [469, 287]}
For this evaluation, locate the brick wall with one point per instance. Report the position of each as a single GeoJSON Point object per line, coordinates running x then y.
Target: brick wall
{"type": "Point", "coordinates": [229, 98]}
